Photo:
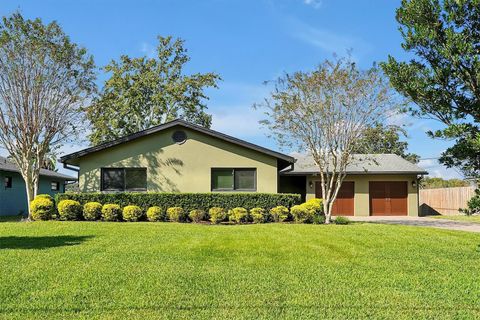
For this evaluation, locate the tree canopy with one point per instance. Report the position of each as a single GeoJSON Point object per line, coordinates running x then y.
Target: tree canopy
{"type": "Point", "coordinates": [44, 80]}
{"type": "Point", "coordinates": [144, 92]}
{"type": "Point", "coordinates": [443, 78]}
{"type": "Point", "coordinates": [433, 183]}
{"type": "Point", "coordinates": [384, 139]}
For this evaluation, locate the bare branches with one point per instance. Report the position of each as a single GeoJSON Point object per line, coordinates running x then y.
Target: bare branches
{"type": "Point", "coordinates": [324, 112]}
{"type": "Point", "coordinates": [44, 80]}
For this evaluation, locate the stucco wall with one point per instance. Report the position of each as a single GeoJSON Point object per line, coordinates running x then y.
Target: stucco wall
{"type": "Point", "coordinates": [13, 201]}
{"type": "Point", "coordinates": [362, 198]}
{"type": "Point", "coordinates": [178, 168]}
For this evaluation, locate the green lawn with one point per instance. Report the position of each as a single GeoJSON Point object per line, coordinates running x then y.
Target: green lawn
{"type": "Point", "coordinates": [57, 270]}
{"type": "Point", "coordinates": [463, 218]}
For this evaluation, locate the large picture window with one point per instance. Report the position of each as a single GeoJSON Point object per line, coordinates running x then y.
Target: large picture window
{"type": "Point", "coordinates": [234, 179]}
{"type": "Point", "coordinates": [124, 179]}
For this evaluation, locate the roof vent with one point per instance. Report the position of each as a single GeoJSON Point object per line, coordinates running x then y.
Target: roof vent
{"type": "Point", "coordinates": [179, 137]}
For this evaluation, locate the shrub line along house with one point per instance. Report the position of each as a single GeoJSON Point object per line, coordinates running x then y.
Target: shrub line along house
{"type": "Point", "coordinates": [13, 196]}
{"type": "Point", "coordinates": [179, 156]}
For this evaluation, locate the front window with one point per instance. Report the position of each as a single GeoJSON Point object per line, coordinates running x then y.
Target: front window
{"type": "Point", "coordinates": [234, 179]}
{"type": "Point", "coordinates": [55, 186]}
{"type": "Point", "coordinates": [124, 179]}
{"type": "Point", "coordinates": [8, 182]}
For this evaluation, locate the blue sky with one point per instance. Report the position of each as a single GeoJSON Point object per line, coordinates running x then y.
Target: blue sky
{"type": "Point", "coordinates": [247, 42]}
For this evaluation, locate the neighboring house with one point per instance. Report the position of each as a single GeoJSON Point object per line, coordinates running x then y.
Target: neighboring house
{"type": "Point", "coordinates": [13, 196]}
{"type": "Point", "coordinates": [182, 157]}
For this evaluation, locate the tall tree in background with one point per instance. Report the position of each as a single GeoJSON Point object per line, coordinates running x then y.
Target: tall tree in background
{"type": "Point", "coordinates": [44, 79]}
{"type": "Point", "coordinates": [324, 113]}
{"type": "Point", "coordinates": [384, 139]}
{"type": "Point", "coordinates": [145, 92]}
{"type": "Point", "coordinates": [444, 79]}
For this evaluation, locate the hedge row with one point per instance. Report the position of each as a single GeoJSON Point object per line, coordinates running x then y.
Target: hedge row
{"type": "Point", "coordinates": [188, 201]}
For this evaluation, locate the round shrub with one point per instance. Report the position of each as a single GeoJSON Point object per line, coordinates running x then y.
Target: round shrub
{"type": "Point", "coordinates": [315, 205]}
{"type": "Point", "coordinates": [44, 195]}
{"type": "Point", "coordinates": [279, 213]}
{"type": "Point", "coordinates": [217, 214]}
{"type": "Point", "coordinates": [42, 208]}
{"type": "Point", "coordinates": [196, 215]}
{"type": "Point", "coordinates": [258, 215]}
{"type": "Point", "coordinates": [111, 212]}
{"type": "Point", "coordinates": [92, 211]}
{"type": "Point", "coordinates": [238, 215]}
{"type": "Point", "coordinates": [155, 214]}
{"type": "Point", "coordinates": [341, 220]}
{"type": "Point", "coordinates": [302, 214]}
{"type": "Point", "coordinates": [69, 210]}
{"type": "Point", "coordinates": [319, 219]}
{"type": "Point", "coordinates": [132, 213]}
{"type": "Point", "coordinates": [176, 214]}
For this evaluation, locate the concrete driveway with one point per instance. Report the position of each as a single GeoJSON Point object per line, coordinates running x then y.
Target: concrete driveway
{"type": "Point", "coordinates": [422, 222]}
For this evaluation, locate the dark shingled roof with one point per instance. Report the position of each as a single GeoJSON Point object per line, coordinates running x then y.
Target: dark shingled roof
{"type": "Point", "coordinates": [7, 165]}
{"type": "Point", "coordinates": [182, 123]}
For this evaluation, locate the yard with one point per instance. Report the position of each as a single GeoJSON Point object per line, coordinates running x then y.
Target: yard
{"type": "Point", "coordinates": [167, 270]}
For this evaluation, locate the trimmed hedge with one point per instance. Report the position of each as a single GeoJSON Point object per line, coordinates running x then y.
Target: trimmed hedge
{"type": "Point", "coordinates": [188, 201]}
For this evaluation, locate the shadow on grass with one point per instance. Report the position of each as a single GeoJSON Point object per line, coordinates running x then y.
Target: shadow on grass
{"type": "Point", "coordinates": [14, 242]}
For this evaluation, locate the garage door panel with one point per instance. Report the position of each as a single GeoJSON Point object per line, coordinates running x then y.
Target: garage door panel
{"type": "Point", "coordinates": [344, 203]}
{"type": "Point", "coordinates": [388, 198]}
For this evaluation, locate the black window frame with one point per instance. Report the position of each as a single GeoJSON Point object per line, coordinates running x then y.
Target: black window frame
{"type": "Point", "coordinates": [125, 169]}
{"type": "Point", "coordinates": [234, 189]}
{"type": "Point", "coordinates": [57, 186]}
{"type": "Point", "coordinates": [8, 182]}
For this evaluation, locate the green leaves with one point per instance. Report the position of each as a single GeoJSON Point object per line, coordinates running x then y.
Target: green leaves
{"type": "Point", "coordinates": [145, 92]}
{"type": "Point", "coordinates": [444, 79]}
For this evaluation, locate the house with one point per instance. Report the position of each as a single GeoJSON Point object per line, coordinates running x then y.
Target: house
{"type": "Point", "coordinates": [13, 196]}
{"type": "Point", "coordinates": [182, 157]}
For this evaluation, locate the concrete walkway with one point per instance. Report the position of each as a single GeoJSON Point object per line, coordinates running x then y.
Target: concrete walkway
{"type": "Point", "coordinates": [422, 222]}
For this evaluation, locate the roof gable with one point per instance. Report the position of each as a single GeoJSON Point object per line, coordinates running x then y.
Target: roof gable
{"type": "Point", "coordinates": [171, 124]}
{"type": "Point", "coordinates": [7, 165]}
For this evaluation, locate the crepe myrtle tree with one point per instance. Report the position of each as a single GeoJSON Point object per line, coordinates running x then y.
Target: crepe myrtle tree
{"type": "Point", "coordinates": [324, 112]}
{"type": "Point", "coordinates": [44, 78]}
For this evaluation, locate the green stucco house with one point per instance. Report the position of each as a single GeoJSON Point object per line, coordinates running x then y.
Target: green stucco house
{"type": "Point", "coordinates": [182, 157]}
{"type": "Point", "coordinates": [13, 196]}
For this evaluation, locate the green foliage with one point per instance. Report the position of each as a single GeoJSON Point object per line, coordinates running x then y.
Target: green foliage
{"type": "Point", "coordinates": [442, 80]}
{"type": "Point", "coordinates": [42, 208]}
{"type": "Point", "coordinates": [132, 213]}
{"type": "Point", "coordinates": [384, 139]}
{"type": "Point", "coordinates": [258, 215]}
{"type": "Point", "coordinates": [315, 205]}
{"type": "Point", "coordinates": [473, 205]}
{"type": "Point", "coordinates": [155, 213]}
{"type": "Point", "coordinates": [111, 212]}
{"type": "Point", "coordinates": [279, 213]}
{"type": "Point", "coordinates": [69, 210]}
{"type": "Point", "coordinates": [217, 214]}
{"type": "Point", "coordinates": [144, 92]}
{"type": "Point", "coordinates": [188, 201]}
{"type": "Point", "coordinates": [302, 213]}
{"type": "Point", "coordinates": [319, 219]}
{"type": "Point", "coordinates": [238, 215]}
{"type": "Point", "coordinates": [341, 220]}
{"type": "Point", "coordinates": [432, 183]}
{"type": "Point", "coordinates": [92, 211]}
{"type": "Point", "coordinates": [176, 214]}
{"type": "Point", "coordinates": [197, 215]}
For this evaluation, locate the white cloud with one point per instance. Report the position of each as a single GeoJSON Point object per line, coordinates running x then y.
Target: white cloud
{"type": "Point", "coordinates": [313, 3]}
{"type": "Point", "coordinates": [437, 170]}
{"type": "Point", "coordinates": [328, 40]}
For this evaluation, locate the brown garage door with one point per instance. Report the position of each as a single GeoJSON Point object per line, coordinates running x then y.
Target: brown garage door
{"type": "Point", "coordinates": [388, 198]}
{"type": "Point", "coordinates": [343, 205]}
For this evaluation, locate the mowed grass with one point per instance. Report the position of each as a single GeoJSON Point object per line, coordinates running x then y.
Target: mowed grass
{"type": "Point", "coordinates": [75, 270]}
{"type": "Point", "coordinates": [463, 218]}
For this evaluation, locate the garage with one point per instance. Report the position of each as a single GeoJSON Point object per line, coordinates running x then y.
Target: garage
{"type": "Point", "coordinates": [344, 204]}
{"type": "Point", "coordinates": [388, 198]}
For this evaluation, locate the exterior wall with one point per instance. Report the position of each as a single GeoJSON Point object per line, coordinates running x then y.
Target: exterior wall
{"type": "Point", "coordinates": [362, 197]}
{"type": "Point", "coordinates": [13, 201]}
{"type": "Point", "coordinates": [175, 167]}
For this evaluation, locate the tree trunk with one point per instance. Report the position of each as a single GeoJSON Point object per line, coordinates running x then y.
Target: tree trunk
{"type": "Point", "coordinates": [30, 194]}
{"type": "Point", "coordinates": [328, 212]}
